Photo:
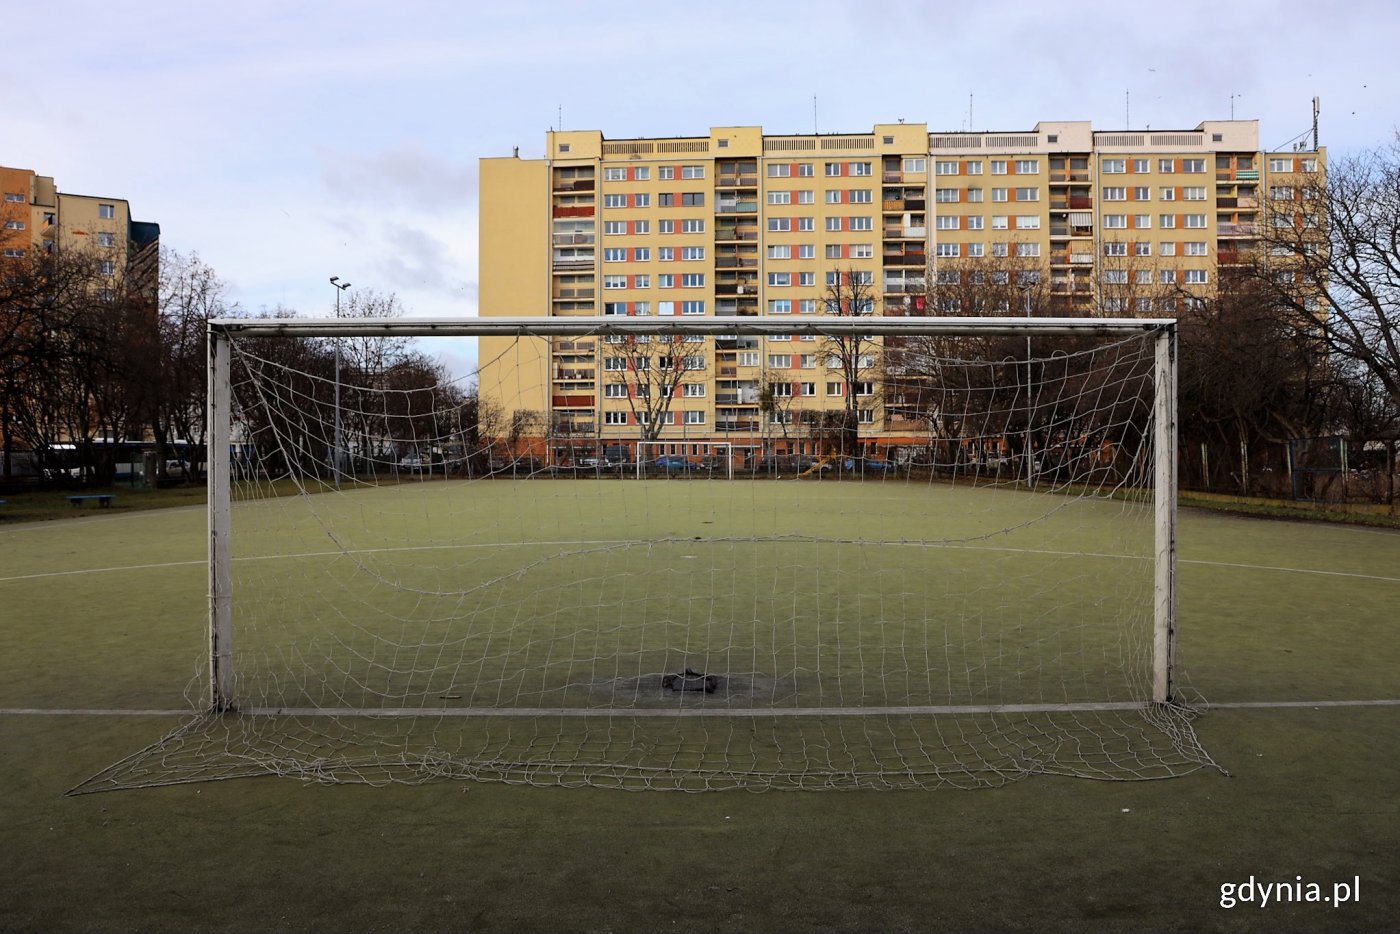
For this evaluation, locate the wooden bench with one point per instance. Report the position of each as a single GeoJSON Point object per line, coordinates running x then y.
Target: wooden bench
{"type": "Point", "coordinates": [104, 500]}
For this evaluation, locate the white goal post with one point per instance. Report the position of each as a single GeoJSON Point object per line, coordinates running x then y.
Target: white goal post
{"type": "Point", "coordinates": [1158, 503]}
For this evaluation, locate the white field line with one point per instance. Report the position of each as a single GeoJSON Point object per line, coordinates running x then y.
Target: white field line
{"type": "Point", "coordinates": [945, 710]}
{"type": "Point", "coordinates": [607, 542]}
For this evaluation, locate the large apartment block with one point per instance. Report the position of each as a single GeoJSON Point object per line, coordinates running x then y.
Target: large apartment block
{"type": "Point", "coordinates": [36, 217]}
{"type": "Point", "coordinates": [738, 222]}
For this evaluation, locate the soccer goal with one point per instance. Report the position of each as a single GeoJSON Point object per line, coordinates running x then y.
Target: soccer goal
{"type": "Point", "coordinates": [989, 594]}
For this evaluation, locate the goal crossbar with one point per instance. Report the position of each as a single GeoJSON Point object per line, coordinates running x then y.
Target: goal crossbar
{"type": "Point", "coordinates": [884, 326]}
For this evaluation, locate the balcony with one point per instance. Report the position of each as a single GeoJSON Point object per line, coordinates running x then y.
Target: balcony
{"type": "Point", "coordinates": [733, 234]}
{"type": "Point", "coordinates": [564, 374]}
{"type": "Point", "coordinates": [736, 425]}
{"type": "Point", "coordinates": [578, 184]}
{"type": "Point", "coordinates": [905, 256]}
{"type": "Point", "coordinates": [1247, 175]}
{"type": "Point", "coordinates": [573, 293]}
{"type": "Point", "coordinates": [584, 210]}
{"type": "Point", "coordinates": [573, 402]}
{"type": "Point", "coordinates": [737, 181]}
{"type": "Point", "coordinates": [1080, 202]}
{"type": "Point", "coordinates": [727, 206]}
{"type": "Point", "coordinates": [736, 262]}
{"type": "Point", "coordinates": [573, 239]}
{"type": "Point", "coordinates": [1237, 230]}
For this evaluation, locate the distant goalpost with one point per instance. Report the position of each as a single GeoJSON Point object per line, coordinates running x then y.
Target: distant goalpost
{"type": "Point", "coordinates": [957, 619]}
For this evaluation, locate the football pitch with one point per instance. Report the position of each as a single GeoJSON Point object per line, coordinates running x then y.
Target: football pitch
{"type": "Point", "coordinates": [1288, 630]}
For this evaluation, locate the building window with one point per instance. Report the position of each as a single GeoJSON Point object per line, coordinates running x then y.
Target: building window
{"type": "Point", "coordinates": [1167, 221]}
{"type": "Point", "coordinates": [858, 196]}
{"type": "Point", "coordinates": [1115, 194]}
{"type": "Point", "coordinates": [780, 197]}
{"type": "Point", "coordinates": [1142, 221]}
{"type": "Point", "coordinates": [614, 201]}
{"type": "Point", "coordinates": [862, 250]}
{"type": "Point", "coordinates": [780, 224]}
{"type": "Point", "coordinates": [1115, 248]}
{"type": "Point", "coordinates": [915, 165]}
{"type": "Point", "coordinates": [1027, 166]}
{"type": "Point", "coordinates": [615, 391]}
{"type": "Point", "coordinates": [1142, 248]}
{"type": "Point", "coordinates": [807, 306]}
{"type": "Point", "coordinates": [1168, 194]}
{"type": "Point", "coordinates": [1143, 277]}
{"type": "Point", "coordinates": [833, 196]}
{"type": "Point", "coordinates": [614, 255]}
{"type": "Point", "coordinates": [1025, 250]}
{"type": "Point", "coordinates": [1194, 166]}
{"type": "Point", "coordinates": [1140, 165]}
{"type": "Point", "coordinates": [614, 282]}
{"type": "Point", "coordinates": [1166, 249]}
{"type": "Point", "coordinates": [1167, 276]}
{"type": "Point", "coordinates": [1196, 277]}
{"type": "Point", "coordinates": [692, 252]}
{"type": "Point", "coordinates": [14, 225]}
{"type": "Point", "coordinates": [949, 167]}
{"type": "Point", "coordinates": [806, 251]}
{"type": "Point", "coordinates": [998, 166]}
{"type": "Point", "coordinates": [946, 222]}
{"type": "Point", "coordinates": [779, 279]}
{"type": "Point", "coordinates": [615, 175]}
{"type": "Point", "coordinates": [103, 239]}
{"type": "Point", "coordinates": [861, 223]}
{"type": "Point", "coordinates": [696, 225]}
{"type": "Point", "coordinates": [806, 224]}
{"type": "Point", "coordinates": [1196, 248]}
{"type": "Point", "coordinates": [999, 194]}
{"type": "Point", "coordinates": [693, 199]}
{"type": "Point", "coordinates": [107, 212]}
{"type": "Point", "coordinates": [693, 308]}
{"type": "Point", "coordinates": [1028, 222]}
{"type": "Point", "coordinates": [1115, 221]}
{"type": "Point", "coordinates": [694, 418]}
{"type": "Point", "coordinates": [860, 168]}
{"type": "Point", "coordinates": [1193, 193]}
{"type": "Point", "coordinates": [948, 249]}
{"type": "Point", "coordinates": [1195, 220]}
{"type": "Point", "coordinates": [1166, 166]}
{"type": "Point", "coordinates": [1114, 167]}
{"type": "Point", "coordinates": [779, 251]}
{"type": "Point", "coordinates": [974, 250]}
{"type": "Point", "coordinates": [1027, 194]}
{"type": "Point", "coordinates": [780, 170]}
{"type": "Point", "coordinates": [972, 167]}
{"type": "Point", "coordinates": [692, 171]}
{"type": "Point", "coordinates": [1142, 193]}
{"type": "Point", "coordinates": [1115, 276]}
{"type": "Point", "coordinates": [14, 197]}
{"type": "Point", "coordinates": [975, 221]}
{"type": "Point", "coordinates": [945, 195]}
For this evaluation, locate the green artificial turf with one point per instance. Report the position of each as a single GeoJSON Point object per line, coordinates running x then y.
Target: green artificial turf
{"type": "Point", "coordinates": [1312, 792]}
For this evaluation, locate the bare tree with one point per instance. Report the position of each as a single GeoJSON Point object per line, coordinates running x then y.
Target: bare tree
{"type": "Point", "coordinates": [851, 293]}
{"type": "Point", "coordinates": [1331, 258]}
{"type": "Point", "coordinates": [650, 369]}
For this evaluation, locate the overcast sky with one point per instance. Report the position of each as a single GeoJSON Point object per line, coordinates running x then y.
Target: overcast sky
{"type": "Point", "coordinates": [286, 142]}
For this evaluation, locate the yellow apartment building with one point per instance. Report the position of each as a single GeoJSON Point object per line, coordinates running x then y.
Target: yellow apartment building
{"type": "Point", "coordinates": [37, 217]}
{"type": "Point", "coordinates": [740, 223]}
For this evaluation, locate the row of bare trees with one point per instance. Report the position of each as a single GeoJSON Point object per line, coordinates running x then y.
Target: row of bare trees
{"type": "Point", "coordinates": [91, 357]}
{"type": "Point", "coordinates": [89, 353]}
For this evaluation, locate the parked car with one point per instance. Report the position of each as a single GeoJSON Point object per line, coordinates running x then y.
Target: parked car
{"type": "Point", "coordinates": [674, 462]}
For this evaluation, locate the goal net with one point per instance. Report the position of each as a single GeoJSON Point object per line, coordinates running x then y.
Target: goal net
{"type": "Point", "coordinates": [961, 570]}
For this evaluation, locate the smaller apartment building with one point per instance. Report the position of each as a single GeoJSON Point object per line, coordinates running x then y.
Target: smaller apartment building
{"type": "Point", "coordinates": [742, 223]}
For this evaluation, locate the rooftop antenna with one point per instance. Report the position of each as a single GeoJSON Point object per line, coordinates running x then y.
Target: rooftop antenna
{"type": "Point", "coordinates": [814, 115]}
{"type": "Point", "coordinates": [969, 113]}
{"type": "Point", "coordinates": [1232, 105]}
{"type": "Point", "coordinates": [1127, 109]}
{"type": "Point", "coordinates": [1317, 106]}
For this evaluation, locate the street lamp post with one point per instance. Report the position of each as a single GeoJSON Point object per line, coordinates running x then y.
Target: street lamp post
{"type": "Point", "coordinates": [339, 446]}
